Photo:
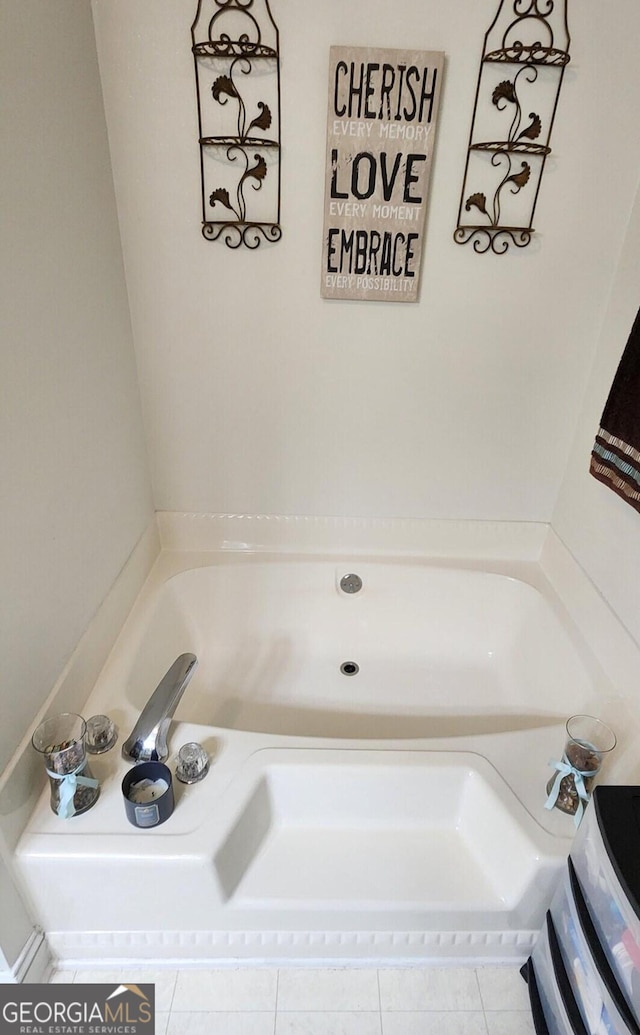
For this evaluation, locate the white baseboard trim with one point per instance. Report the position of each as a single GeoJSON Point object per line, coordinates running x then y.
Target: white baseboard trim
{"type": "Point", "coordinates": [167, 949]}
{"type": "Point", "coordinates": [34, 963]}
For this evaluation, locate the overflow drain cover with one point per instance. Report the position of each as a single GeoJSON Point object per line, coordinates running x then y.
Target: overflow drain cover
{"type": "Point", "coordinates": [349, 668]}
{"type": "Point", "coordinates": [351, 583]}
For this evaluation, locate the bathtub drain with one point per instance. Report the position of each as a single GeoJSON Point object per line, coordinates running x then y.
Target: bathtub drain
{"type": "Point", "coordinates": [349, 668]}
{"type": "Point", "coordinates": [351, 583]}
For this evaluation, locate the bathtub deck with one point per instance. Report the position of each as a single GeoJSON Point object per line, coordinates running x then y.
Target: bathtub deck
{"type": "Point", "coordinates": [361, 842]}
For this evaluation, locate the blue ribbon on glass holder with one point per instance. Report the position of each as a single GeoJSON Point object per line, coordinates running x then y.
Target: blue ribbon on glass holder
{"type": "Point", "coordinates": [566, 769]}
{"type": "Point", "coordinates": [69, 784]}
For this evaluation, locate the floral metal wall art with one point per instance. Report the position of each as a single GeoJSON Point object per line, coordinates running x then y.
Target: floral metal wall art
{"type": "Point", "coordinates": [235, 45]}
{"type": "Point", "coordinates": [526, 51]}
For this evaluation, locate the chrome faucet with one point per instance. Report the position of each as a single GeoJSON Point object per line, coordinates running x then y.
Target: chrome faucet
{"type": "Point", "coordinates": [148, 740]}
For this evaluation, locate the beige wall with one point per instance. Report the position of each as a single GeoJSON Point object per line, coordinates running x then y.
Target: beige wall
{"type": "Point", "coordinates": [75, 490]}
{"type": "Point", "coordinates": [15, 922]}
{"type": "Point", "coordinates": [600, 529]}
{"type": "Point", "coordinates": [259, 396]}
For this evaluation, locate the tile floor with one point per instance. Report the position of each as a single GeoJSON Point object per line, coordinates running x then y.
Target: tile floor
{"type": "Point", "coordinates": [331, 1001]}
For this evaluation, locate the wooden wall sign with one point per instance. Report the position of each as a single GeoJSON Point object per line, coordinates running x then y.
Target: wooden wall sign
{"type": "Point", "coordinates": [381, 128]}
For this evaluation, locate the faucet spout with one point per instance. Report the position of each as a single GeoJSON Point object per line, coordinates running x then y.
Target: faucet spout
{"type": "Point", "coordinates": [148, 740]}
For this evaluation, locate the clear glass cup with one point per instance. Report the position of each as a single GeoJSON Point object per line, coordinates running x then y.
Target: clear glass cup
{"type": "Point", "coordinates": [61, 742]}
{"type": "Point", "coordinates": [588, 742]}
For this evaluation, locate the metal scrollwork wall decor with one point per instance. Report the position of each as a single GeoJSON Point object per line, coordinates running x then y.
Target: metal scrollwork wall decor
{"type": "Point", "coordinates": [235, 46]}
{"type": "Point", "coordinates": [526, 51]}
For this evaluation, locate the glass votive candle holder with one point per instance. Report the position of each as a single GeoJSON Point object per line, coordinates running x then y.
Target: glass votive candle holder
{"type": "Point", "coordinates": [102, 733]}
{"type": "Point", "coordinates": [193, 763]}
{"type": "Point", "coordinates": [588, 742]}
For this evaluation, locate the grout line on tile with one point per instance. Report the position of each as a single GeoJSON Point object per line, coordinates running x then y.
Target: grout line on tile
{"type": "Point", "coordinates": [173, 995]}
{"type": "Point", "coordinates": [275, 1005]}
{"type": "Point", "coordinates": [478, 983]}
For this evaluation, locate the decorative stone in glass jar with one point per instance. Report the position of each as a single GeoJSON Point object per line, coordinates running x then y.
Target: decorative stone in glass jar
{"type": "Point", "coordinates": [61, 742]}
{"type": "Point", "coordinates": [588, 742]}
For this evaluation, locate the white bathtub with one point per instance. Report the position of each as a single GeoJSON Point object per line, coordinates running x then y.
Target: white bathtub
{"type": "Point", "coordinates": [440, 652]}
{"type": "Point", "coordinates": [396, 812]}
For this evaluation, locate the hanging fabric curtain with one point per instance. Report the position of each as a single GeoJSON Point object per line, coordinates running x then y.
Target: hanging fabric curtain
{"type": "Point", "coordinates": [615, 459]}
